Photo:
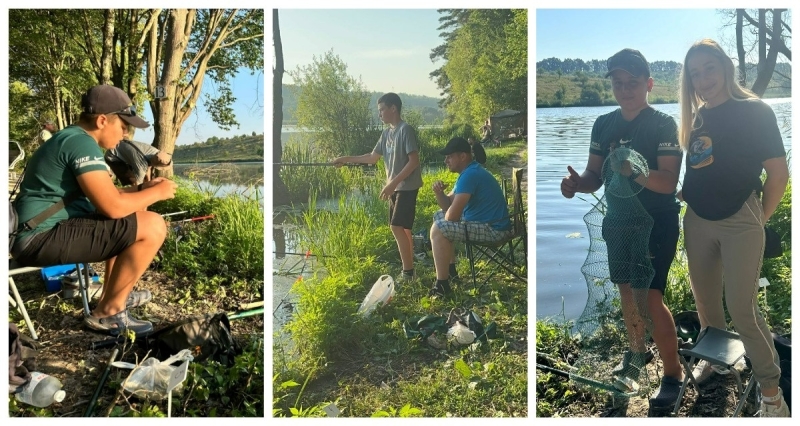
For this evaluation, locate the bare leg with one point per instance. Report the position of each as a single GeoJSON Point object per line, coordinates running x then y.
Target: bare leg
{"type": "Point", "coordinates": [109, 267]}
{"type": "Point", "coordinates": [404, 246]}
{"type": "Point", "coordinates": [443, 253]}
{"type": "Point", "coordinates": [664, 334]}
{"type": "Point", "coordinates": [632, 318]}
{"type": "Point", "coordinates": [130, 265]}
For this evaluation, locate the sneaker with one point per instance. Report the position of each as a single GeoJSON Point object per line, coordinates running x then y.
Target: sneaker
{"type": "Point", "coordinates": [666, 394]}
{"type": "Point", "coordinates": [769, 410]}
{"type": "Point", "coordinates": [138, 298]}
{"type": "Point", "coordinates": [117, 323]}
{"type": "Point", "coordinates": [631, 364]}
{"type": "Point", "coordinates": [703, 370]}
{"type": "Point", "coordinates": [440, 290]}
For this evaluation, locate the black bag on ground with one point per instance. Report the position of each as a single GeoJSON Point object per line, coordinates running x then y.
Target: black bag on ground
{"type": "Point", "coordinates": [21, 359]}
{"type": "Point", "coordinates": [207, 336]}
{"type": "Point", "coordinates": [772, 244]}
{"type": "Point", "coordinates": [784, 348]}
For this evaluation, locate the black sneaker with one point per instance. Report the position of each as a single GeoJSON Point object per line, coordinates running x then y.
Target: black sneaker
{"type": "Point", "coordinates": [118, 323]}
{"type": "Point", "coordinates": [666, 394]}
{"type": "Point", "coordinates": [440, 289]}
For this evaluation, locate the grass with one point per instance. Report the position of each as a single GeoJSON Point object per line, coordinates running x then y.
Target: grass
{"type": "Point", "coordinates": [367, 366]}
{"type": "Point", "coordinates": [558, 397]}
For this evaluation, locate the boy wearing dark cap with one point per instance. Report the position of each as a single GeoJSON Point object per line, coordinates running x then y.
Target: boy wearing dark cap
{"type": "Point", "coordinates": [99, 221]}
{"type": "Point", "coordinates": [476, 205]}
{"type": "Point", "coordinates": [653, 134]}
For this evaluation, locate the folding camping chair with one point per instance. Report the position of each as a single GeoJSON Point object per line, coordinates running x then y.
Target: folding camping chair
{"type": "Point", "coordinates": [15, 269]}
{"type": "Point", "coordinates": [15, 155]}
{"type": "Point", "coordinates": [722, 349]}
{"type": "Point", "coordinates": [503, 253]}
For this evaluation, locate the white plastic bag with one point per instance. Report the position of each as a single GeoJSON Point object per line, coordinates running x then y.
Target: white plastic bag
{"type": "Point", "coordinates": [150, 379]}
{"type": "Point", "coordinates": [461, 334]}
{"type": "Point", "coordinates": [381, 293]}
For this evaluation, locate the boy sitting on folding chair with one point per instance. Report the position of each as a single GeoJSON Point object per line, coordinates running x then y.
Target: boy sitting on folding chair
{"type": "Point", "coordinates": [99, 222]}
{"type": "Point", "coordinates": [477, 199]}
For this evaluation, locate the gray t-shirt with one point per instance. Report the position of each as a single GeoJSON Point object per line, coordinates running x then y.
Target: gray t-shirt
{"type": "Point", "coordinates": [136, 155]}
{"type": "Point", "coordinates": [394, 145]}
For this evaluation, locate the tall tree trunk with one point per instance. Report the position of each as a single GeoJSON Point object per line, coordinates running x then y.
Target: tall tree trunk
{"type": "Point", "coordinates": [740, 48]}
{"type": "Point", "coordinates": [169, 108]}
{"type": "Point", "coordinates": [280, 193]}
{"type": "Point", "coordinates": [108, 47]}
{"type": "Point", "coordinates": [766, 63]}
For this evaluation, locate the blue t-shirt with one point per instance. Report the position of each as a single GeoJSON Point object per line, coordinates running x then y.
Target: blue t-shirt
{"type": "Point", "coordinates": [486, 203]}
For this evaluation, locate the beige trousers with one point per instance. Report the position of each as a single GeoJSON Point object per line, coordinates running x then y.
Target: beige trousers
{"type": "Point", "coordinates": [726, 255]}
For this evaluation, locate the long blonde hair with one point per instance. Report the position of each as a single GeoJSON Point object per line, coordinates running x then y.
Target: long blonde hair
{"type": "Point", "coordinates": [690, 101]}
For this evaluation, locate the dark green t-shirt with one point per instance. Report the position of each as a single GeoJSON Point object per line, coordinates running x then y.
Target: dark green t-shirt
{"type": "Point", "coordinates": [653, 134]}
{"type": "Point", "coordinates": [724, 159]}
{"type": "Point", "coordinates": [52, 174]}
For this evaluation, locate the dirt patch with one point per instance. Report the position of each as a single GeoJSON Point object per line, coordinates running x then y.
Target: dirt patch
{"type": "Point", "coordinates": [64, 342]}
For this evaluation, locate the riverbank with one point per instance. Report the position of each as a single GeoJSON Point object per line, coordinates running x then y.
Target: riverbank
{"type": "Point", "coordinates": [371, 366]}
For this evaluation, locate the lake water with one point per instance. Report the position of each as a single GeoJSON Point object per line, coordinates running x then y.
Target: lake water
{"type": "Point", "coordinates": [245, 178]}
{"type": "Point", "coordinates": [562, 139]}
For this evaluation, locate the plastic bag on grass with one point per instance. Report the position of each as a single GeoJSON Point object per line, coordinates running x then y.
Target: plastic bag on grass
{"type": "Point", "coordinates": [150, 379]}
{"type": "Point", "coordinates": [380, 294]}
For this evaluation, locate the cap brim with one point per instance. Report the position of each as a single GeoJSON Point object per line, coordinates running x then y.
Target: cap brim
{"type": "Point", "coordinates": [134, 121]}
{"type": "Point", "coordinates": [608, 74]}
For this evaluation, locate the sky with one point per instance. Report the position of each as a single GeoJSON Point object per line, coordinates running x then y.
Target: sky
{"type": "Point", "coordinates": [248, 108]}
{"type": "Point", "coordinates": [660, 34]}
{"type": "Point", "coordinates": [388, 49]}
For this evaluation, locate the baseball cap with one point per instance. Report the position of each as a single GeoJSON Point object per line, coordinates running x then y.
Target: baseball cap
{"type": "Point", "coordinates": [107, 99]}
{"type": "Point", "coordinates": [456, 145]}
{"type": "Point", "coordinates": [629, 60]}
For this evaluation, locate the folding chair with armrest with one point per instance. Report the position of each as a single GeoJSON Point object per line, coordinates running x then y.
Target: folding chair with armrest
{"type": "Point", "coordinates": [503, 253]}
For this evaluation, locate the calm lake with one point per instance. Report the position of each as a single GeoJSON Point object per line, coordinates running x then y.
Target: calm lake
{"type": "Point", "coordinates": [245, 178]}
{"type": "Point", "coordinates": [562, 139]}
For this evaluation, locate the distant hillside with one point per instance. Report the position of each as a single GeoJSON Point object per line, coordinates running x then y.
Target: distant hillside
{"type": "Point", "coordinates": [572, 82]}
{"type": "Point", "coordinates": [428, 106]}
{"type": "Point", "coordinates": [215, 150]}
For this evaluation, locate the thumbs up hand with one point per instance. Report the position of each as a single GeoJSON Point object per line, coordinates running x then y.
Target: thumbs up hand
{"type": "Point", "coordinates": [570, 183]}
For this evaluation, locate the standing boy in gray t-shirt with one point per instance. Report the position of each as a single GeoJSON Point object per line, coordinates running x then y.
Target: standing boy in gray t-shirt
{"type": "Point", "coordinates": [398, 147]}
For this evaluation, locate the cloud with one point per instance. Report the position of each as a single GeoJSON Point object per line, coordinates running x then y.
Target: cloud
{"type": "Point", "coordinates": [388, 53]}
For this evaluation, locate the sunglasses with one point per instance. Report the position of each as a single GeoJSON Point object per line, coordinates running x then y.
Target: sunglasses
{"type": "Point", "coordinates": [127, 111]}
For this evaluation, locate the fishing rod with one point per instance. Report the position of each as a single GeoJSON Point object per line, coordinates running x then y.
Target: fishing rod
{"type": "Point", "coordinates": [174, 214]}
{"type": "Point", "coordinates": [194, 219]}
{"type": "Point", "coordinates": [581, 379]}
{"type": "Point", "coordinates": [300, 254]}
{"type": "Point", "coordinates": [320, 164]}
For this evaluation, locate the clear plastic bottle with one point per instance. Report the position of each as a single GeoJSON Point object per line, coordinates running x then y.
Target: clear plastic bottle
{"type": "Point", "coordinates": [41, 391]}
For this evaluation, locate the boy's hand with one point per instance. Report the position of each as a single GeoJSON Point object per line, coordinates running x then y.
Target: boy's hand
{"type": "Point", "coordinates": [438, 187]}
{"type": "Point", "coordinates": [339, 162]}
{"type": "Point", "coordinates": [388, 190]}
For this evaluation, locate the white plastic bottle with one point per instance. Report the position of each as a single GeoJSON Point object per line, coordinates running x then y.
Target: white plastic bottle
{"type": "Point", "coordinates": [41, 391]}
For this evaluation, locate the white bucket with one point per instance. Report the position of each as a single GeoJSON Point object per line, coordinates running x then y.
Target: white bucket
{"type": "Point", "coordinates": [381, 293]}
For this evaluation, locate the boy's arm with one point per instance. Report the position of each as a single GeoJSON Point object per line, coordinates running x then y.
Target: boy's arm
{"type": "Point", "coordinates": [370, 158]}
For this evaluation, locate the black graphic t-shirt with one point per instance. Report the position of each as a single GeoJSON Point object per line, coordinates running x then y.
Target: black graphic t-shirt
{"type": "Point", "coordinates": [723, 162]}
{"type": "Point", "coordinates": [652, 135]}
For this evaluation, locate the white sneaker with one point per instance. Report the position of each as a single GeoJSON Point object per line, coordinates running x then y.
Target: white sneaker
{"type": "Point", "coordinates": [702, 371]}
{"type": "Point", "coordinates": [769, 410]}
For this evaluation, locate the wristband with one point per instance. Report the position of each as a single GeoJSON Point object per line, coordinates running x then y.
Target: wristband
{"type": "Point", "coordinates": [139, 188]}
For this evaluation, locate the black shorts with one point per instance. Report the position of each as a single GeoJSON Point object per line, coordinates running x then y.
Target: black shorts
{"type": "Point", "coordinates": [85, 239]}
{"type": "Point", "coordinates": [629, 262]}
{"type": "Point", "coordinates": [403, 208]}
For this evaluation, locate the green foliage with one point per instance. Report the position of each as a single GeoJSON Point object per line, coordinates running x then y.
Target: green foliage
{"type": "Point", "coordinates": [486, 63]}
{"type": "Point", "coordinates": [406, 411]}
{"type": "Point", "coordinates": [250, 148]}
{"type": "Point", "coordinates": [305, 182]}
{"type": "Point", "coordinates": [230, 246]}
{"type": "Point", "coordinates": [235, 391]}
{"type": "Point", "coordinates": [335, 106]}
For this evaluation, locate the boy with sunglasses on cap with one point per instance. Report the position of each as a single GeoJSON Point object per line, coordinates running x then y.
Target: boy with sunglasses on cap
{"type": "Point", "coordinates": [99, 221]}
